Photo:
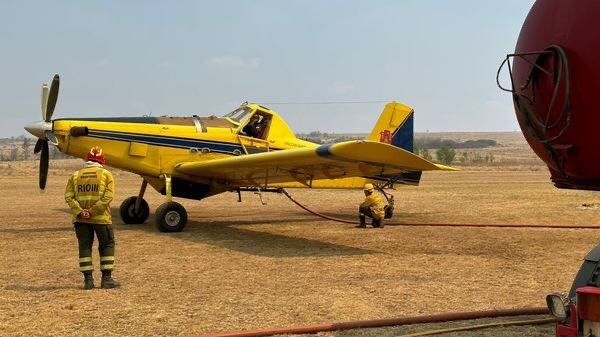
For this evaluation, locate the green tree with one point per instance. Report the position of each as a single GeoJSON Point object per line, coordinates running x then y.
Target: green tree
{"type": "Point", "coordinates": [446, 154]}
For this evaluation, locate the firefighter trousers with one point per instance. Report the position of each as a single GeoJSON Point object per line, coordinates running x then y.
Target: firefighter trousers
{"type": "Point", "coordinates": [366, 211]}
{"type": "Point", "coordinates": [106, 246]}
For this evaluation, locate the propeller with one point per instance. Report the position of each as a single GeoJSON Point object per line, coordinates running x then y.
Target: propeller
{"type": "Point", "coordinates": [44, 163]}
{"type": "Point", "coordinates": [50, 100]}
{"type": "Point", "coordinates": [43, 128]}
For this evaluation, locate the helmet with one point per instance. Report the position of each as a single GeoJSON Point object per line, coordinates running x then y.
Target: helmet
{"type": "Point", "coordinates": [368, 187]}
{"type": "Point", "coordinates": [95, 154]}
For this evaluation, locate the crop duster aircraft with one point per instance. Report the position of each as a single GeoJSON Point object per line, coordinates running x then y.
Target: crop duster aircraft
{"type": "Point", "coordinates": [198, 157]}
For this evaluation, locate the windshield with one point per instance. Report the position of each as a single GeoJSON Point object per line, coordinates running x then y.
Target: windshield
{"type": "Point", "coordinates": [239, 114]}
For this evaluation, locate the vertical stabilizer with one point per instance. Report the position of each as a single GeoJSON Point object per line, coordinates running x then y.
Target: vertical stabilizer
{"type": "Point", "coordinates": [395, 126]}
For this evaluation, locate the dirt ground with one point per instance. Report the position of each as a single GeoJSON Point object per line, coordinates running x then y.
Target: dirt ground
{"type": "Point", "coordinates": [246, 266]}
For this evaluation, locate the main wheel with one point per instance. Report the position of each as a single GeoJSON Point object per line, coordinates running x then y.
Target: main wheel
{"type": "Point", "coordinates": [170, 217]}
{"type": "Point", "coordinates": [128, 214]}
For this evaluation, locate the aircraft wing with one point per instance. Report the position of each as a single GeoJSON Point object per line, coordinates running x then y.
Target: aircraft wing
{"type": "Point", "coordinates": [303, 165]}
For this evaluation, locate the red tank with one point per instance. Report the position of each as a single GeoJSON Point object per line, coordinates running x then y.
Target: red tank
{"type": "Point", "coordinates": [555, 75]}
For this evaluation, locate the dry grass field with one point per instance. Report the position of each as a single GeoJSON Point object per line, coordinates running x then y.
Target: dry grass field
{"type": "Point", "coordinates": [245, 266]}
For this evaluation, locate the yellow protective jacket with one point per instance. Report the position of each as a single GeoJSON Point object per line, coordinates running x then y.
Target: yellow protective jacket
{"type": "Point", "coordinates": [376, 204]}
{"type": "Point", "coordinates": [91, 188]}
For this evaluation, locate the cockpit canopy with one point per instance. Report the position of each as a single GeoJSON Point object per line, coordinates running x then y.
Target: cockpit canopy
{"type": "Point", "coordinates": [239, 115]}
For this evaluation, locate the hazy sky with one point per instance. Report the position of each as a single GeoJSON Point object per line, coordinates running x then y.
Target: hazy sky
{"type": "Point", "coordinates": [128, 58]}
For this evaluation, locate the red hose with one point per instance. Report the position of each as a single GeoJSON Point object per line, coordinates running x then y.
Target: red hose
{"type": "Point", "coordinates": [317, 213]}
{"type": "Point", "coordinates": [442, 224]}
{"type": "Point", "coordinates": [310, 329]}
{"type": "Point", "coordinates": [496, 225]}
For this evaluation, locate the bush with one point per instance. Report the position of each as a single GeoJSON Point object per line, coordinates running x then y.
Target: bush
{"type": "Point", "coordinates": [475, 158]}
{"type": "Point", "coordinates": [446, 154]}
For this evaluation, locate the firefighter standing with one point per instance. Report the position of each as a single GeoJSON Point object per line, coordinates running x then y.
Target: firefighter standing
{"type": "Point", "coordinates": [373, 207]}
{"type": "Point", "coordinates": [89, 193]}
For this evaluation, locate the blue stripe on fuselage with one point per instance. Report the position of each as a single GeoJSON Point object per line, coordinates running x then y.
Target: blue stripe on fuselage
{"type": "Point", "coordinates": [182, 143]}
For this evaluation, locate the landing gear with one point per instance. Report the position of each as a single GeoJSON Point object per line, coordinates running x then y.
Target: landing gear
{"type": "Point", "coordinates": [170, 217]}
{"type": "Point", "coordinates": [128, 213]}
{"type": "Point", "coordinates": [135, 210]}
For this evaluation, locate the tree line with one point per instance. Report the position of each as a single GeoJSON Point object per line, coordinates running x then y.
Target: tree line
{"type": "Point", "coordinates": [447, 155]}
{"type": "Point", "coordinates": [446, 150]}
{"type": "Point", "coordinates": [437, 143]}
{"type": "Point", "coordinates": [21, 148]}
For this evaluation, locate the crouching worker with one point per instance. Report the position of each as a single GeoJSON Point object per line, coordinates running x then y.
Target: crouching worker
{"type": "Point", "coordinates": [89, 193]}
{"type": "Point", "coordinates": [375, 208]}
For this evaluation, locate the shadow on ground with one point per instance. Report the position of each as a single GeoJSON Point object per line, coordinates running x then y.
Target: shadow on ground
{"type": "Point", "coordinates": [227, 234]}
{"type": "Point", "coordinates": [65, 228]}
{"type": "Point", "coordinates": [18, 287]}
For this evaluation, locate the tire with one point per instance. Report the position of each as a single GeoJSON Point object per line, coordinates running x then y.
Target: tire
{"type": "Point", "coordinates": [170, 217]}
{"type": "Point", "coordinates": [126, 210]}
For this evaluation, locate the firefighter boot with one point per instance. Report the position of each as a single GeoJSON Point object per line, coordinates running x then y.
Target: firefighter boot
{"type": "Point", "coordinates": [377, 223]}
{"type": "Point", "coordinates": [107, 281]}
{"type": "Point", "coordinates": [88, 281]}
{"type": "Point", "coordinates": [362, 224]}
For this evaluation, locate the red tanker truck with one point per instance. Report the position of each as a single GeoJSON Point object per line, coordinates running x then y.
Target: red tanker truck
{"type": "Point", "coordinates": [555, 82]}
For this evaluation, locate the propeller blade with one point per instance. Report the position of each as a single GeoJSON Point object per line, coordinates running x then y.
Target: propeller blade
{"type": "Point", "coordinates": [38, 146]}
{"type": "Point", "coordinates": [52, 97]}
{"type": "Point", "coordinates": [44, 162]}
{"type": "Point", "coordinates": [45, 90]}
{"type": "Point", "coordinates": [51, 137]}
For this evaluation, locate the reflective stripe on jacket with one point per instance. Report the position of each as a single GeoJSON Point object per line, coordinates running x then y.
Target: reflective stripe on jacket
{"type": "Point", "coordinates": [376, 204]}
{"type": "Point", "coordinates": [91, 188]}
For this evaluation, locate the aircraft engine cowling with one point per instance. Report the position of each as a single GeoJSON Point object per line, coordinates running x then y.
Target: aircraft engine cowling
{"type": "Point", "coordinates": [555, 72]}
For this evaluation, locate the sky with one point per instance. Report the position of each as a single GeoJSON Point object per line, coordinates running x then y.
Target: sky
{"type": "Point", "coordinates": [133, 58]}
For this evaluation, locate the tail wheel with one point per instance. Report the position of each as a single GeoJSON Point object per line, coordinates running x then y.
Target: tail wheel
{"type": "Point", "coordinates": [170, 217]}
{"type": "Point", "coordinates": [128, 214]}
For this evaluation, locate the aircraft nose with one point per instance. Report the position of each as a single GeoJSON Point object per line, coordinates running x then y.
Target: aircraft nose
{"type": "Point", "coordinates": [38, 129]}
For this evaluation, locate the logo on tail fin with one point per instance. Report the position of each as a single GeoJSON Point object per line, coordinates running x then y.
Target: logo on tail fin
{"type": "Point", "coordinates": [385, 136]}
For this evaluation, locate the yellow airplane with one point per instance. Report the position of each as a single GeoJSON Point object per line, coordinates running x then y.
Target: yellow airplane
{"type": "Point", "coordinates": [249, 149]}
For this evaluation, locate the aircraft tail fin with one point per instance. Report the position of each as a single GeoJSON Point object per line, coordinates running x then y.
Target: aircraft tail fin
{"type": "Point", "coordinates": [395, 126]}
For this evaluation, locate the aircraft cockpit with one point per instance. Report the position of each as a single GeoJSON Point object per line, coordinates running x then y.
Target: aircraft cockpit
{"type": "Point", "coordinates": [253, 123]}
